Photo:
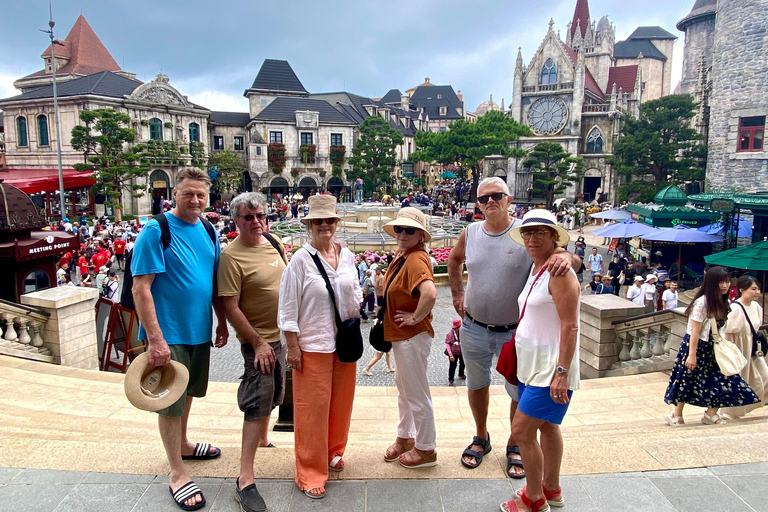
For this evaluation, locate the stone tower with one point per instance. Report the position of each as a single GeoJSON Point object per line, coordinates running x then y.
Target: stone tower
{"type": "Point", "coordinates": [739, 98]}
{"type": "Point", "coordinates": [699, 28]}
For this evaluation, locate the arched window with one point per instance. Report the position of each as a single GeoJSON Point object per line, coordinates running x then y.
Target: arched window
{"type": "Point", "coordinates": [194, 132]}
{"type": "Point", "coordinates": [549, 73]}
{"type": "Point", "coordinates": [595, 141]}
{"type": "Point", "coordinates": [155, 129]}
{"type": "Point", "coordinates": [42, 130]}
{"type": "Point", "coordinates": [21, 131]}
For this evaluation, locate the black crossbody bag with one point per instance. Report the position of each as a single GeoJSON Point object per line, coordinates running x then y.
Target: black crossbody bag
{"type": "Point", "coordinates": [376, 337]}
{"type": "Point", "coordinates": [759, 343]}
{"type": "Point", "coordinates": [349, 339]}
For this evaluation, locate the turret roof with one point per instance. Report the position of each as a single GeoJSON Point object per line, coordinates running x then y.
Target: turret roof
{"type": "Point", "coordinates": [702, 8]}
{"type": "Point", "coordinates": [277, 76]}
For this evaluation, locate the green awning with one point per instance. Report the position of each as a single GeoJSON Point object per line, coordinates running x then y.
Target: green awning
{"type": "Point", "coordinates": [670, 216]}
{"type": "Point", "coordinates": [721, 202]}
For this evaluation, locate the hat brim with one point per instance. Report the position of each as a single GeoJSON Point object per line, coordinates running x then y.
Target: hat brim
{"type": "Point", "coordinates": [309, 217]}
{"type": "Point", "coordinates": [132, 385]}
{"type": "Point", "coordinates": [517, 236]}
{"type": "Point", "coordinates": [389, 227]}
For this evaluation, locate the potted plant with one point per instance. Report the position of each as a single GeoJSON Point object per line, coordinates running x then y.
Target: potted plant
{"type": "Point", "coordinates": [144, 122]}
{"type": "Point", "coordinates": [338, 158]}
{"type": "Point", "coordinates": [168, 125]}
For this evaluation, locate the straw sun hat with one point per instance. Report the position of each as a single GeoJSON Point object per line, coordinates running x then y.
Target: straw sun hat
{"type": "Point", "coordinates": [321, 207]}
{"type": "Point", "coordinates": [408, 217]}
{"type": "Point", "coordinates": [539, 218]}
{"type": "Point", "coordinates": [151, 388]}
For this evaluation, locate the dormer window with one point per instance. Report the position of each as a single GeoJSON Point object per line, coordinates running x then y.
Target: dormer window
{"type": "Point", "coordinates": [443, 111]}
{"type": "Point", "coordinates": [439, 96]}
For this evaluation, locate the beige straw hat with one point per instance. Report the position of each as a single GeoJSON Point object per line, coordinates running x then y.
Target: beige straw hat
{"type": "Point", "coordinates": [408, 218]}
{"type": "Point", "coordinates": [539, 218]}
{"type": "Point", "coordinates": [151, 388]}
{"type": "Point", "coordinates": [321, 207]}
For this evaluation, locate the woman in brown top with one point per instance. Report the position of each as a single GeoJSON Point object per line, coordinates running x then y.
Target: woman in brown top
{"type": "Point", "coordinates": [408, 325]}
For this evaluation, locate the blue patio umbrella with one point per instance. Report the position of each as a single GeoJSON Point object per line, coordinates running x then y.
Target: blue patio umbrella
{"type": "Point", "coordinates": [681, 234]}
{"type": "Point", "coordinates": [613, 214]}
{"type": "Point", "coordinates": [625, 229]}
{"type": "Point", "coordinates": [718, 228]}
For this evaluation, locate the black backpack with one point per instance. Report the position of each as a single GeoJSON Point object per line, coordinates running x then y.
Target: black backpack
{"type": "Point", "coordinates": [126, 296]}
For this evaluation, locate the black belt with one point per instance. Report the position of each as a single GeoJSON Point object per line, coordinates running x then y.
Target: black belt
{"type": "Point", "coordinates": [493, 328]}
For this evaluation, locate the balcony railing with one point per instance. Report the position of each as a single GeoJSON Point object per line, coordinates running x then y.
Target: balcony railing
{"type": "Point", "coordinates": [22, 329]}
{"type": "Point", "coordinates": [548, 87]}
{"type": "Point", "coordinates": [595, 108]}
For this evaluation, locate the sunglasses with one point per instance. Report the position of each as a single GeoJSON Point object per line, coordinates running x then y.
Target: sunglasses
{"type": "Point", "coordinates": [250, 216]}
{"type": "Point", "coordinates": [400, 229]}
{"type": "Point", "coordinates": [496, 196]}
{"type": "Point", "coordinates": [319, 222]}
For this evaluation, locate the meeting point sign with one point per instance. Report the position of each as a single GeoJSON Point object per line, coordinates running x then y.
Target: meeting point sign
{"type": "Point", "coordinates": [47, 246]}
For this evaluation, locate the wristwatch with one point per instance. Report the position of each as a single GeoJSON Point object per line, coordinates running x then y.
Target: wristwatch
{"type": "Point", "coordinates": [560, 369]}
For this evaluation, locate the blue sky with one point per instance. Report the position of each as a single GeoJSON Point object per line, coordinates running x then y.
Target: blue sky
{"type": "Point", "coordinates": [212, 50]}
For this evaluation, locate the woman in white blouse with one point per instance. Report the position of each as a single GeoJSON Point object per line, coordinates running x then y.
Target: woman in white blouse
{"type": "Point", "coordinates": [547, 347]}
{"type": "Point", "coordinates": [323, 387]}
{"type": "Point", "coordinates": [746, 310]}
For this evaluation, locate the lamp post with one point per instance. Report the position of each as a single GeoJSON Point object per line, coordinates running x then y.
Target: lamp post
{"type": "Point", "coordinates": [54, 42]}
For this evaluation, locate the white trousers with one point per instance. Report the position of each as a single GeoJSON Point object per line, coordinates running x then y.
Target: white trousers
{"type": "Point", "coordinates": [417, 417]}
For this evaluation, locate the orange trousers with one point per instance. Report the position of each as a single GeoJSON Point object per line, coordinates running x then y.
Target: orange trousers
{"type": "Point", "coordinates": [323, 393]}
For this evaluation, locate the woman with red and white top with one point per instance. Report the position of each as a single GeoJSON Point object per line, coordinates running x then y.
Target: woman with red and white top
{"type": "Point", "coordinates": [547, 347]}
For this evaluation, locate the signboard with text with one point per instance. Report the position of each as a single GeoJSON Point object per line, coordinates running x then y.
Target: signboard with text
{"type": "Point", "coordinates": [48, 246]}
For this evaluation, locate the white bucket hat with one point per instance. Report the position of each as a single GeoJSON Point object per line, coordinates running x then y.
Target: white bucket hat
{"type": "Point", "coordinates": [539, 218]}
{"type": "Point", "coordinates": [408, 217]}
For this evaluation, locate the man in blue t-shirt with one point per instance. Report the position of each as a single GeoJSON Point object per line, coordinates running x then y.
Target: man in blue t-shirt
{"type": "Point", "coordinates": [174, 289]}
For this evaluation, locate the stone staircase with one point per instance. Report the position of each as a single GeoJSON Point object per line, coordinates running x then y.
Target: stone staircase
{"type": "Point", "coordinates": [22, 328]}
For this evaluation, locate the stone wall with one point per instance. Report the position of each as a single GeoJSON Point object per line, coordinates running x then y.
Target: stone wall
{"type": "Point", "coordinates": [699, 41]}
{"type": "Point", "coordinates": [739, 90]}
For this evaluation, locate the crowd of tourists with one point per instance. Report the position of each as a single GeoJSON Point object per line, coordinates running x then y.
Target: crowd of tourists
{"type": "Point", "coordinates": [305, 312]}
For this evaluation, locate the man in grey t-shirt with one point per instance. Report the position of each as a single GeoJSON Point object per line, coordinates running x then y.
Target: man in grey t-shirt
{"type": "Point", "coordinates": [497, 270]}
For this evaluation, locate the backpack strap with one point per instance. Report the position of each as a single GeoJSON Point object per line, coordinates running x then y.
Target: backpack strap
{"type": "Point", "coordinates": [278, 247]}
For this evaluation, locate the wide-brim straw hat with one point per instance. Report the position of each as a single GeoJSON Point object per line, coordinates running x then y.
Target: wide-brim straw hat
{"type": "Point", "coordinates": [539, 218]}
{"type": "Point", "coordinates": [321, 207]}
{"type": "Point", "coordinates": [408, 217]}
{"type": "Point", "coordinates": [152, 388]}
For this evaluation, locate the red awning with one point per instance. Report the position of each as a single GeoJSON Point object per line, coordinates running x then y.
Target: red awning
{"type": "Point", "coordinates": [40, 244]}
{"type": "Point", "coordinates": [32, 181]}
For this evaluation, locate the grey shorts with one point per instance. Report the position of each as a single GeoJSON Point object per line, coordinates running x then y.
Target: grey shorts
{"type": "Point", "coordinates": [259, 393]}
{"type": "Point", "coordinates": [478, 347]}
{"type": "Point", "coordinates": [197, 360]}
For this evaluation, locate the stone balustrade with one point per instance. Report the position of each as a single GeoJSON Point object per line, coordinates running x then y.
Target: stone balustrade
{"type": "Point", "coordinates": [22, 329]}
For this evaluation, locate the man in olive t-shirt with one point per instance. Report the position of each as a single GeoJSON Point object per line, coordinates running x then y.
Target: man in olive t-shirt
{"type": "Point", "coordinates": [249, 275]}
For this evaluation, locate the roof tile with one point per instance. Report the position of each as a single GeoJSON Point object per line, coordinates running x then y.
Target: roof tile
{"type": "Point", "coordinates": [277, 75]}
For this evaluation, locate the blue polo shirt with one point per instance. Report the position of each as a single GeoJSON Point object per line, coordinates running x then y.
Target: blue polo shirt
{"type": "Point", "coordinates": [183, 285]}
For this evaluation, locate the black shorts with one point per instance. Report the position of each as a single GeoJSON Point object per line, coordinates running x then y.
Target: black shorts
{"type": "Point", "coordinates": [258, 393]}
{"type": "Point", "coordinates": [120, 257]}
{"type": "Point", "coordinates": [380, 301]}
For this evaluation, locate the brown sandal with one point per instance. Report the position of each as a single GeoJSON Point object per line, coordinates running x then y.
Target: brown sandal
{"type": "Point", "coordinates": [419, 459]}
{"type": "Point", "coordinates": [394, 452]}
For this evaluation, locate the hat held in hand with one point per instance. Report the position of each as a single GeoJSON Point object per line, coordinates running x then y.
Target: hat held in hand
{"type": "Point", "coordinates": [151, 388]}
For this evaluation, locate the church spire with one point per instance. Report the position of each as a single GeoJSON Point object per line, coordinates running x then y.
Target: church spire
{"type": "Point", "coordinates": [519, 63]}
{"type": "Point", "coordinates": [580, 18]}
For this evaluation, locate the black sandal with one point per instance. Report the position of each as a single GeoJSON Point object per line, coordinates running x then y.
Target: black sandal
{"type": "Point", "coordinates": [478, 455]}
{"type": "Point", "coordinates": [514, 462]}
{"type": "Point", "coordinates": [185, 492]}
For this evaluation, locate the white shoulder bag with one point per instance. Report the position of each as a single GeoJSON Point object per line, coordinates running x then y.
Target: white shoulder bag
{"type": "Point", "coordinates": [728, 356]}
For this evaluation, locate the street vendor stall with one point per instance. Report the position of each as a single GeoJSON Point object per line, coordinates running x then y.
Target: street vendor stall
{"type": "Point", "coordinates": [669, 209]}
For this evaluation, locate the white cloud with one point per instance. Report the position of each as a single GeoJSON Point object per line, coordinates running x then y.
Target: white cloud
{"type": "Point", "coordinates": [218, 100]}
{"type": "Point", "coordinates": [6, 85]}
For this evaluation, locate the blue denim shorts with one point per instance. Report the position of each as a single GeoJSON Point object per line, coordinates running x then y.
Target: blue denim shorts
{"type": "Point", "coordinates": [478, 347]}
{"type": "Point", "coordinates": [536, 402]}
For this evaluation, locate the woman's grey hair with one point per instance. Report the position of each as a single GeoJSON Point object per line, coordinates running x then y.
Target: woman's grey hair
{"type": "Point", "coordinates": [492, 181]}
{"type": "Point", "coordinates": [252, 200]}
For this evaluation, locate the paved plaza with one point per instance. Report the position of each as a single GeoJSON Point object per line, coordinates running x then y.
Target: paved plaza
{"type": "Point", "coordinates": [721, 488]}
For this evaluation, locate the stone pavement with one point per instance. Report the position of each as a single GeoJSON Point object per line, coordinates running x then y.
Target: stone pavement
{"type": "Point", "coordinates": [721, 488]}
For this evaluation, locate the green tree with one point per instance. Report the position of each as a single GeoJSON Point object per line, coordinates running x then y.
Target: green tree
{"type": "Point", "coordinates": [553, 169]}
{"type": "Point", "coordinates": [229, 173]}
{"type": "Point", "coordinates": [107, 145]}
{"type": "Point", "coordinates": [466, 144]}
{"type": "Point", "coordinates": [659, 148]}
{"type": "Point", "coordinates": [374, 153]}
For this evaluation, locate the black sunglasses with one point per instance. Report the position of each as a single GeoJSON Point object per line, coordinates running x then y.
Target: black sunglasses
{"type": "Point", "coordinates": [318, 222]}
{"type": "Point", "coordinates": [496, 196]}
{"type": "Point", "coordinates": [400, 229]}
{"type": "Point", "coordinates": [250, 216]}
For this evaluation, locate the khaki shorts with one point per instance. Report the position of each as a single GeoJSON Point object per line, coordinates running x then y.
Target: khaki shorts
{"type": "Point", "coordinates": [259, 393]}
{"type": "Point", "coordinates": [196, 358]}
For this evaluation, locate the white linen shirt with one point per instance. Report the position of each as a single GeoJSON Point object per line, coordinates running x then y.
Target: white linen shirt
{"type": "Point", "coordinates": [304, 305]}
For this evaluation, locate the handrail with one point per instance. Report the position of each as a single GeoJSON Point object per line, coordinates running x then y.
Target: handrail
{"type": "Point", "coordinates": [21, 309]}
{"type": "Point", "coordinates": [649, 315]}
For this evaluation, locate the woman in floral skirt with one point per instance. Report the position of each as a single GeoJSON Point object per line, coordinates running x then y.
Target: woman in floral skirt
{"type": "Point", "coordinates": [696, 378]}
